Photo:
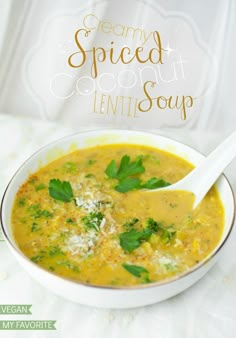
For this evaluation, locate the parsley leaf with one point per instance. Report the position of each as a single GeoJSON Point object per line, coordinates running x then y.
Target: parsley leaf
{"type": "Point", "coordinates": [154, 183]}
{"type": "Point", "coordinates": [134, 269]}
{"type": "Point", "coordinates": [60, 190]}
{"type": "Point", "coordinates": [111, 170]}
{"type": "Point", "coordinates": [126, 168]}
{"type": "Point", "coordinates": [132, 239]}
{"type": "Point", "coordinates": [134, 183]}
{"type": "Point", "coordinates": [137, 271]}
{"type": "Point", "coordinates": [93, 220]}
{"type": "Point", "coordinates": [128, 184]}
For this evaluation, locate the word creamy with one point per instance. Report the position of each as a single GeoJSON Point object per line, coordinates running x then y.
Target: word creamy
{"type": "Point", "coordinates": [92, 22]}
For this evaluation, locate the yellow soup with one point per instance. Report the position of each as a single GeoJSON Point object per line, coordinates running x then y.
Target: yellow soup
{"type": "Point", "coordinates": [91, 216]}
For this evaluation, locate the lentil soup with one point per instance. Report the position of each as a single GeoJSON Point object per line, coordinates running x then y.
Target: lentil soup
{"type": "Point", "coordinates": [87, 216]}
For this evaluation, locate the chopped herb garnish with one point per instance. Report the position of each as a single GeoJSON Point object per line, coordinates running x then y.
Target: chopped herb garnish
{"type": "Point", "coordinates": [21, 202]}
{"type": "Point", "coordinates": [154, 226]}
{"type": "Point", "coordinates": [70, 167]}
{"type": "Point", "coordinates": [37, 258]}
{"type": "Point", "coordinates": [46, 213]}
{"type": "Point", "coordinates": [74, 268]}
{"type": "Point", "coordinates": [132, 239]}
{"type": "Point", "coordinates": [70, 221]}
{"type": "Point", "coordinates": [55, 251]}
{"type": "Point", "coordinates": [60, 190]}
{"type": "Point", "coordinates": [35, 227]}
{"type": "Point", "coordinates": [36, 212]}
{"type": "Point", "coordinates": [93, 220]}
{"type": "Point", "coordinates": [137, 271]}
{"type": "Point", "coordinates": [89, 175]}
{"type": "Point", "coordinates": [167, 235]}
{"type": "Point", "coordinates": [69, 265]}
{"type": "Point", "coordinates": [173, 205]}
{"type": "Point", "coordinates": [33, 179]}
{"type": "Point", "coordinates": [115, 282]}
{"type": "Point", "coordinates": [34, 207]}
{"type": "Point", "coordinates": [170, 267]}
{"type": "Point", "coordinates": [40, 186]}
{"type": "Point", "coordinates": [91, 162]}
{"type": "Point", "coordinates": [144, 157]}
{"type": "Point", "coordinates": [149, 157]}
{"type": "Point", "coordinates": [64, 235]}
{"type": "Point", "coordinates": [129, 224]}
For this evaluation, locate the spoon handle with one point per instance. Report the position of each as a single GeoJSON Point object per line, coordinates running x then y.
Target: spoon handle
{"type": "Point", "coordinates": [201, 179]}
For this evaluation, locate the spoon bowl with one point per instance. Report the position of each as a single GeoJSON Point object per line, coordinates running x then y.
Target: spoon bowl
{"type": "Point", "coordinates": [202, 178]}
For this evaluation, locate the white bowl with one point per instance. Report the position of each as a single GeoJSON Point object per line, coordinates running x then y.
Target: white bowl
{"type": "Point", "coordinates": [109, 296]}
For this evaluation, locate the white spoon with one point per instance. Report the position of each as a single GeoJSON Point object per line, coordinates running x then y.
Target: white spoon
{"type": "Point", "coordinates": [201, 179]}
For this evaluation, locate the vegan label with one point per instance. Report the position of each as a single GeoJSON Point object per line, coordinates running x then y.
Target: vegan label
{"type": "Point", "coordinates": [15, 309]}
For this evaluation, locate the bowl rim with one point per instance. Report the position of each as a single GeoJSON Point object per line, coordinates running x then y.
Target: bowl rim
{"type": "Point", "coordinates": [164, 282]}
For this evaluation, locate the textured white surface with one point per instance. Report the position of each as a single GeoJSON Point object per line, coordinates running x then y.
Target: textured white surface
{"type": "Point", "coordinates": [206, 310]}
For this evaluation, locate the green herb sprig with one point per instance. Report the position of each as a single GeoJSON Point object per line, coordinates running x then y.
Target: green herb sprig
{"type": "Point", "coordinates": [93, 220]}
{"type": "Point", "coordinates": [60, 190]}
{"type": "Point", "coordinates": [132, 238]}
{"type": "Point", "coordinates": [125, 172]}
{"type": "Point", "coordinates": [137, 271]}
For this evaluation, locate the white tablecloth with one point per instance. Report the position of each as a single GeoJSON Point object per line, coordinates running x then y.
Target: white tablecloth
{"type": "Point", "coordinates": [206, 310]}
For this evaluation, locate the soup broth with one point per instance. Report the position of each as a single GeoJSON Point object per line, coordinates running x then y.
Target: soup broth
{"type": "Point", "coordinates": [91, 216]}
